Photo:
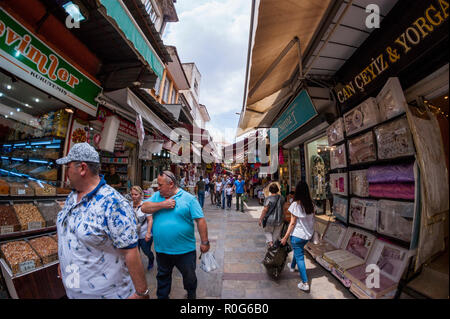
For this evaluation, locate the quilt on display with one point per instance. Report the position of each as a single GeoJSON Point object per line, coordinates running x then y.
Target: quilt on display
{"type": "Point", "coordinates": [394, 139]}
{"type": "Point", "coordinates": [338, 157]}
{"type": "Point", "coordinates": [395, 219]}
{"type": "Point", "coordinates": [363, 116]}
{"type": "Point", "coordinates": [359, 184]}
{"type": "Point", "coordinates": [364, 213]}
{"type": "Point", "coordinates": [391, 100]}
{"type": "Point", "coordinates": [335, 132]}
{"type": "Point", "coordinates": [362, 149]}
{"type": "Point", "coordinates": [403, 173]}
{"type": "Point", "coordinates": [394, 191]}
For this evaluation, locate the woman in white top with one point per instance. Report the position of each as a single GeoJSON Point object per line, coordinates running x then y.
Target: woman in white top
{"type": "Point", "coordinates": [218, 187]}
{"type": "Point", "coordinates": [302, 228]}
{"type": "Point", "coordinates": [144, 225]}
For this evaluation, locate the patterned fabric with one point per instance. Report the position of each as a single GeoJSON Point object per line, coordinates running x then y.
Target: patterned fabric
{"type": "Point", "coordinates": [80, 152]}
{"type": "Point", "coordinates": [90, 236]}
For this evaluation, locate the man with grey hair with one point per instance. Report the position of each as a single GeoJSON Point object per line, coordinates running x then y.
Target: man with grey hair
{"type": "Point", "coordinates": [174, 212]}
{"type": "Point", "coordinates": [97, 234]}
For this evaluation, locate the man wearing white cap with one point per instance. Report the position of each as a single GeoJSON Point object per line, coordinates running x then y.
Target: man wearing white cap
{"type": "Point", "coordinates": [97, 234]}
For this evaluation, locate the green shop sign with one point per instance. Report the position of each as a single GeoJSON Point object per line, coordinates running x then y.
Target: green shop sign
{"type": "Point", "coordinates": [299, 112]}
{"type": "Point", "coordinates": [24, 55]}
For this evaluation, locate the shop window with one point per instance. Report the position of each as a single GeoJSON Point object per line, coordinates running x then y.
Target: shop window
{"type": "Point", "coordinates": [174, 96]}
{"type": "Point", "coordinates": [318, 161]}
{"type": "Point", "coordinates": [166, 91]}
{"type": "Point", "coordinates": [157, 86]}
{"type": "Point", "coordinates": [33, 126]}
{"type": "Point", "coordinates": [151, 10]}
{"type": "Point", "coordinates": [296, 173]}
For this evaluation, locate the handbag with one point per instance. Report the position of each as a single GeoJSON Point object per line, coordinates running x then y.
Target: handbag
{"type": "Point", "coordinates": [264, 221]}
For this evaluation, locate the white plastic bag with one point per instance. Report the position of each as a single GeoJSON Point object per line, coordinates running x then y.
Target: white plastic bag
{"type": "Point", "coordinates": [208, 263]}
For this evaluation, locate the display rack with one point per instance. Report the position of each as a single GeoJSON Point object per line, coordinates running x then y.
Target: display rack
{"type": "Point", "coordinates": [339, 138]}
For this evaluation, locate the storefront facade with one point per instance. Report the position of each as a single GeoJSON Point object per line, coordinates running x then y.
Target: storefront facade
{"type": "Point", "coordinates": [44, 102]}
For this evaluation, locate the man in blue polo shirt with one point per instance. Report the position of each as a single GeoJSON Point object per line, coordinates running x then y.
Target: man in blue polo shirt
{"type": "Point", "coordinates": [239, 188]}
{"type": "Point", "coordinates": [174, 212]}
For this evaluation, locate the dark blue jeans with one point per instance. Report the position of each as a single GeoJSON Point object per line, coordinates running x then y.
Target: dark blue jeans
{"type": "Point", "coordinates": [146, 247]}
{"type": "Point", "coordinates": [201, 198]}
{"type": "Point", "coordinates": [229, 199]}
{"type": "Point", "coordinates": [185, 263]}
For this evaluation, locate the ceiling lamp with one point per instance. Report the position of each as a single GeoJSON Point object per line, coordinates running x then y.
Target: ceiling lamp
{"type": "Point", "coordinates": [74, 11]}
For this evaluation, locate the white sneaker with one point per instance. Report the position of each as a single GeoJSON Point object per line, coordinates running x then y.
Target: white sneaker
{"type": "Point", "coordinates": [303, 286]}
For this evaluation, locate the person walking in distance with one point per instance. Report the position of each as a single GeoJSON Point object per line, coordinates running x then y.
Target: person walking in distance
{"type": "Point", "coordinates": [218, 188]}
{"type": "Point", "coordinates": [174, 213]}
{"type": "Point", "coordinates": [212, 190]}
{"type": "Point", "coordinates": [301, 229]}
{"type": "Point", "coordinates": [239, 189]}
{"type": "Point", "coordinates": [229, 193]}
{"type": "Point", "coordinates": [201, 191]}
{"type": "Point", "coordinates": [144, 225]}
{"type": "Point", "coordinates": [97, 234]}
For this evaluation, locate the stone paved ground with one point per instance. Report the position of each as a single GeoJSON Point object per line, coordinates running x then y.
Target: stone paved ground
{"type": "Point", "coordinates": [239, 246]}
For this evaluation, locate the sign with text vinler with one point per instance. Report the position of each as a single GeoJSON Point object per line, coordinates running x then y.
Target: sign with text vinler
{"type": "Point", "coordinates": [24, 55]}
{"type": "Point", "coordinates": [299, 112]}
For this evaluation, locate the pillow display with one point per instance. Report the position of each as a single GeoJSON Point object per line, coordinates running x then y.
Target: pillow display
{"type": "Point", "coordinates": [363, 116]}
{"type": "Point", "coordinates": [359, 185]}
{"type": "Point", "coordinates": [398, 190]}
{"type": "Point", "coordinates": [338, 183]}
{"type": "Point", "coordinates": [403, 173]}
{"type": "Point", "coordinates": [395, 219]}
{"type": "Point", "coordinates": [364, 213]}
{"type": "Point", "coordinates": [394, 139]}
{"type": "Point", "coordinates": [391, 100]}
{"type": "Point", "coordinates": [335, 234]}
{"type": "Point", "coordinates": [362, 149]}
{"type": "Point", "coordinates": [335, 132]}
{"type": "Point", "coordinates": [358, 242]}
{"type": "Point", "coordinates": [340, 208]}
{"type": "Point", "coordinates": [391, 259]}
{"type": "Point", "coordinates": [338, 157]}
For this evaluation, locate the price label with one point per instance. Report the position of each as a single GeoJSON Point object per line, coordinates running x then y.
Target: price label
{"type": "Point", "coordinates": [34, 225]}
{"type": "Point", "coordinates": [6, 229]}
{"type": "Point", "coordinates": [27, 265]}
{"type": "Point", "coordinates": [21, 191]}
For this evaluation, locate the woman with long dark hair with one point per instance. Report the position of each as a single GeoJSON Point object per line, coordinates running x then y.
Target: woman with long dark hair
{"type": "Point", "coordinates": [302, 228]}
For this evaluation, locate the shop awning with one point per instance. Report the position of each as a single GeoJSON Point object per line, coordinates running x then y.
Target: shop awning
{"type": "Point", "coordinates": [328, 33]}
{"type": "Point", "coordinates": [119, 12]}
{"type": "Point", "coordinates": [127, 99]}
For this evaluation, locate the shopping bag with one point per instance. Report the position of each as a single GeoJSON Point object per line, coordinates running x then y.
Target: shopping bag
{"type": "Point", "coordinates": [208, 263]}
{"type": "Point", "coordinates": [275, 258]}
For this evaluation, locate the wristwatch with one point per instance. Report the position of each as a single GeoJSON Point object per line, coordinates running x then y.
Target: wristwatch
{"type": "Point", "coordinates": [205, 242]}
{"type": "Point", "coordinates": [143, 294]}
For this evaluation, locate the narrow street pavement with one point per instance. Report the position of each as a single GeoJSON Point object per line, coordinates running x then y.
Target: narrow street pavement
{"type": "Point", "coordinates": [238, 244]}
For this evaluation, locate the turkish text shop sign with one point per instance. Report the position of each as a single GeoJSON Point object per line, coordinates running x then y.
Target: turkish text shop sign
{"type": "Point", "coordinates": [299, 112]}
{"type": "Point", "coordinates": [406, 34]}
{"type": "Point", "coordinates": [24, 55]}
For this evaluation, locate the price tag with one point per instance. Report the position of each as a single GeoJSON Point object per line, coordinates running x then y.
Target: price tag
{"type": "Point", "coordinates": [27, 265]}
{"type": "Point", "coordinates": [21, 191]}
{"type": "Point", "coordinates": [34, 225]}
{"type": "Point", "coordinates": [6, 229]}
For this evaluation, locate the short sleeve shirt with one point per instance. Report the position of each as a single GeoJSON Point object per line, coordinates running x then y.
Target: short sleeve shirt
{"type": "Point", "coordinates": [304, 228]}
{"type": "Point", "coordinates": [239, 186]}
{"type": "Point", "coordinates": [201, 186]}
{"type": "Point", "coordinates": [173, 229]}
{"type": "Point", "coordinates": [90, 235]}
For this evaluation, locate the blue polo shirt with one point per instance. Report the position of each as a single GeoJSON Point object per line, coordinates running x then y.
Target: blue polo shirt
{"type": "Point", "coordinates": [239, 186]}
{"type": "Point", "coordinates": [173, 229]}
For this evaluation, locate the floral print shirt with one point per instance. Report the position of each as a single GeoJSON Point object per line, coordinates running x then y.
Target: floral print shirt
{"type": "Point", "coordinates": [91, 234]}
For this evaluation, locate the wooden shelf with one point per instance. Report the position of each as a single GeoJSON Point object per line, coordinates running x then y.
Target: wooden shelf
{"type": "Point", "coordinates": [27, 233]}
